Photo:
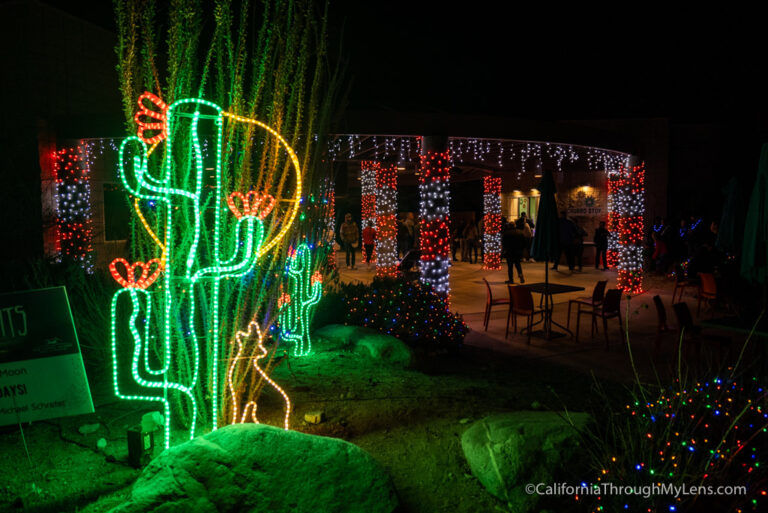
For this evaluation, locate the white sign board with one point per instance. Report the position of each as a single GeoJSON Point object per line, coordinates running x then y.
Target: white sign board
{"type": "Point", "coordinates": [41, 368]}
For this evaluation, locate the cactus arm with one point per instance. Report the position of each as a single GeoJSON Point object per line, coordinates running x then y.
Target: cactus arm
{"type": "Point", "coordinates": [254, 236]}
{"type": "Point", "coordinates": [137, 347]}
{"type": "Point", "coordinates": [144, 189]}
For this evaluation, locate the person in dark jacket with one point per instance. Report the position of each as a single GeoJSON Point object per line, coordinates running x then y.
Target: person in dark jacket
{"type": "Point", "coordinates": [601, 246]}
{"type": "Point", "coordinates": [567, 240]}
{"type": "Point", "coordinates": [513, 244]}
{"type": "Point", "coordinates": [578, 244]}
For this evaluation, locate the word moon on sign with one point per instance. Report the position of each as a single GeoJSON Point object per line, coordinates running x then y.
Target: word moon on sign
{"type": "Point", "coordinates": [41, 369]}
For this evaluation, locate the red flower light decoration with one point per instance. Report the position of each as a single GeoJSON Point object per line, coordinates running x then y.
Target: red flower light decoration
{"type": "Point", "coordinates": [131, 281]}
{"type": "Point", "coordinates": [254, 204]}
{"type": "Point", "coordinates": [160, 116]}
{"type": "Point", "coordinates": [316, 277]}
{"type": "Point", "coordinates": [283, 299]}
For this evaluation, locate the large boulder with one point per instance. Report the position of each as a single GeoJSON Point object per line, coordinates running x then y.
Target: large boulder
{"type": "Point", "coordinates": [258, 468]}
{"type": "Point", "coordinates": [365, 341]}
{"type": "Point", "coordinates": [509, 450]}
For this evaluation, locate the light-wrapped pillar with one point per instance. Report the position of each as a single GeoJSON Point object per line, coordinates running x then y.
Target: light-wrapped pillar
{"type": "Point", "coordinates": [492, 223]}
{"type": "Point", "coordinates": [74, 223]}
{"type": "Point", "coordinates": [434, 213]}
{"type": "Point", "coordinates": [368, 170]}
{"type": "Point", "coordinates": [386, 221]}
{"type": "Point", "coordinates": [627, 188]}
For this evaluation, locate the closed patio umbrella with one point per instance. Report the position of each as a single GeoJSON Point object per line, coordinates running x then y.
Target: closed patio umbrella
{"type": "Point", "coordinates": [546, 240]}
{"type": "Point", "coordinates": [732, 220]}
{"type": "Point", "coordinates": [754, 256]}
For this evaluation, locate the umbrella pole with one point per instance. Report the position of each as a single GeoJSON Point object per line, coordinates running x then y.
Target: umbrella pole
{"type": "Point", "coordinates": [547, 320]}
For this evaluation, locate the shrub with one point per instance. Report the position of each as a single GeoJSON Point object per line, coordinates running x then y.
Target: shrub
{"type": "Point", "coordinates": [410, 311]}
{"type": "Point", "coordinates": [711, 434]}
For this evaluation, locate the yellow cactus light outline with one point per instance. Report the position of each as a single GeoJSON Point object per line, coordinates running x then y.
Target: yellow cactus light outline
{"type": "Point", "coordinates": [294, 160]}
{"type": "Point", "coordinates": [296, 200]}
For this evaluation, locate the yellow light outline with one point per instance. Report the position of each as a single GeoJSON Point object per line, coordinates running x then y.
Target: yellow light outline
{"type": "Point", "coordinates": [294, 160]}
{"type": "Point", "coordinates": [296, 200]}
{"type": "Point", "coordinates": [146, 224]}
{"type": "Point", "coordinates": [251, 406]}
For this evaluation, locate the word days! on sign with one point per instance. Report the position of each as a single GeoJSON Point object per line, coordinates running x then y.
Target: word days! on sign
{"type": "Point", "coordinates": [41, 368]}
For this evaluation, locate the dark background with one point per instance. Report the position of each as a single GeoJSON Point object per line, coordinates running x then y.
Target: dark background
{"type": "Point", "coordinates": [700, 70]}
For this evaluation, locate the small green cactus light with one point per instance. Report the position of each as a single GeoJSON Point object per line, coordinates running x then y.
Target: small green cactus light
{"type": "Point", "coordinates": [297, 305]}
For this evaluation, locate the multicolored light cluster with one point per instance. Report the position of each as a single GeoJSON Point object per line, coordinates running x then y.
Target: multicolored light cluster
{"type": "Point", "coordinates": [626, 192]}
{"type": "Point", "coordinates": [492, 223]}
{"type": "Point", "coordinates": [368, 171]}
{"type": "Point", "coordinates": [386, 221]}
{"type": "Point", "coordinates": [434, 214]}
{"type": "Point", "coordinates": [713, 434]}
{"type": "Point", "coordinates": [409, 311]}
{"type": "Point", "coordinates": [74, 223]}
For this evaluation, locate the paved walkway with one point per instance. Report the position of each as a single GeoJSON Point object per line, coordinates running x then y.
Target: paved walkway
{"type": "Point", "coordinates": [468, 295]}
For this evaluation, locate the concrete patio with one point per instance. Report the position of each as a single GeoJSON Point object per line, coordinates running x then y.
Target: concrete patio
{"type": "Point", "coordinates": [589, 355]}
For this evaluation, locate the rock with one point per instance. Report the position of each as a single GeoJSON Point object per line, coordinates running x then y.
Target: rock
{"type": "Point", "coordinates": [333, 337]}
{"type": "Point", "coordinates": [152, 421]}
{"type": "Point", "coordinates": [101, 444]}
{"type": "Point", "coordinates": [365, 341]}
{"type": "Point", "coordinates": [87, 429]}
{"type": "Point", "coordinates": [255, 468]}
{"type": "Point", "coordinates": [314, 417]}
{"type": "Point", "coordinates": [508, 450]}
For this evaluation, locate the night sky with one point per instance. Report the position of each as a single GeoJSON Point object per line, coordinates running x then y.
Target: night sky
{"type": "Point", "coordinates": [515, 60]}
{"type": "Point", "coordinates": [512, 59]}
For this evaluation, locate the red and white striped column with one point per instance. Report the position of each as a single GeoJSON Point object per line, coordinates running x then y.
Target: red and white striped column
{"type": "Point", "coordinates": [368, 169]}
{"type": "Point", "coordinates": [434, 213]}
{"type": "Point", "coordinates": [492, 223]}
{"type": "Point", "coordinates": [386, 221]}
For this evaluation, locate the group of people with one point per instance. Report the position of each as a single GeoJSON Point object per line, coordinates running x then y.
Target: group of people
{"type": "Point", "coordinates": [349, 235]}
{"type": "Point", "coordinates": [691, 244]}
{"type": "Point", "coordinates": [572, 243]}
{"type": "Point", "coordinates": [466, 239]}
{"type": "Point", "coordinates": [516, 239]}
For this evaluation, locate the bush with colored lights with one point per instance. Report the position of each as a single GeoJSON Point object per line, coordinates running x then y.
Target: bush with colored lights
{"type": "Point", "coordinates": [412, 312]}
{"type": "Point", "coordinates": [710, 434]}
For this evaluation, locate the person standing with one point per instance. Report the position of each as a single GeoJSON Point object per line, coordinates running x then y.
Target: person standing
{"type": "Point", "coordinates": [578, 243]}
{"type": "Point", "coordinates": [410, 226]}
{"type": "Point", "coordinates": [567, 235]}
{"type": "Point", "coordinates": [470, 236]}
{"type": "Point", "coordinates": [350, 236]}
{"type": "Point", "coordinates": [528, 234]}
{"type": "Point", "coordinates": [402, 237]}
{"type": "Point", "coordinates": [512, 245]}
{"type": "Point", "coordinates": [455, 240]}
{"type": "Point", "coordinates": [528, 229]}
{"type": "Point", "coordinates": [601, 246]}
{"type": "Point", "coordinates": [369, 240]}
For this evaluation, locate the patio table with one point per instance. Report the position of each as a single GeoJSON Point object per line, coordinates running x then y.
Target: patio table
{"type": "Point", "coordinates": [547, 291]}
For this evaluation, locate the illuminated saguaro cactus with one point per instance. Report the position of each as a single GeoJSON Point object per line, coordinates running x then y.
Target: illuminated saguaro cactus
{"type": "Point", "coordinates": [296, 306]}
{"type": "Point", "coordinates": [193, 263]}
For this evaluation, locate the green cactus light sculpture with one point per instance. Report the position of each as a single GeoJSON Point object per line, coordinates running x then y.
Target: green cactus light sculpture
{"type": "Point", "coordinates": [296, 306]}
{"type": "Point", "coordinates": [175, 346]}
